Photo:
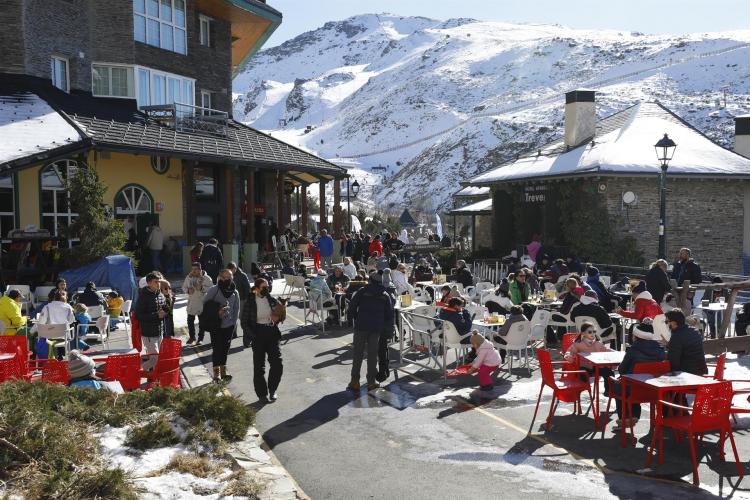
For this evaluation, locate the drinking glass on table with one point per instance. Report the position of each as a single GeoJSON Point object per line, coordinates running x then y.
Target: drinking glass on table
{"type": "Point", "coordinates": [721, 300]}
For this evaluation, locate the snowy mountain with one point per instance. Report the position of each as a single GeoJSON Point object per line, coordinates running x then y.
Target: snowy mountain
{"type": "Point", "coordinates": [415, 105]}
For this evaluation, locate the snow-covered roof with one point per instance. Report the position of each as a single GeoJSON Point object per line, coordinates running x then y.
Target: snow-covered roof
{"type": "Point", "coordinates": [473, 191]}
{"type": "Point", "coordinates": [624, 145]}
{"type": "Point", "coordinates": [28, 125]}
{"type": "Point", "coordinates": [483, 207]}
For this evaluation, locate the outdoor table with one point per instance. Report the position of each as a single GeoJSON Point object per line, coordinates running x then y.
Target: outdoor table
{"type": "Point", "coordinates": [623, 329]}
{"type": "Point", "coordinates": [718, 307]}
{"type": "Point", "coordinates": [597, 360]}
{"type": "Point", "coordinates": [100, 356]}
{"type": "Point", "coordinates": [488, 324]}
{"type": "Point", "coordinates": [399, 311]}
{"type": "Point", "coordinates": [555, 304]}
{"type": "Point", "coordinates": [662, 385]}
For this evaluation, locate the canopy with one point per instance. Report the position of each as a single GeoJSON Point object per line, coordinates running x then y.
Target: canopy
{"type": "Point", "coordinates": [483, 207]}
{"type": "Point", "coordinates": [406, 220]}
{"type": "Point", "coordinates": [115, 272]}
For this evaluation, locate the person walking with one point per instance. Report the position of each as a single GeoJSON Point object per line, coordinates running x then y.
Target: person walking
{"type": "Point", "coordinates": [325, 245]}
{"type": "Point", "coordinates": [155, 244]}
{"type": "Point", "coordinates": [150, 312]}
{"type": "Point", "coordinates": [222, 299]}
{"type": "Point", "coordinates": [196, 284]}
{"type": "Point", "coordinates": [212, 259]}
{"type": "Point", "coordinates": [372, 310]}
{"type": "Point", "coordinates": [261, 331]}
{"type": "Point", "coordinates": [242, 283]}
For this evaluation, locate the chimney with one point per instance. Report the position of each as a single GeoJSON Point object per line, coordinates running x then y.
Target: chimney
{"type": "Point", "coordinates": [742, 135]}
{"type": "Point", "coordinates": [580, 117]}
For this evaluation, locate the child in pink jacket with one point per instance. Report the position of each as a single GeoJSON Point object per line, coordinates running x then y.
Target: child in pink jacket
{"type": "Point", "coordinates": [486, 362]}
{"type": "Point", "coordinates": [587, 342]}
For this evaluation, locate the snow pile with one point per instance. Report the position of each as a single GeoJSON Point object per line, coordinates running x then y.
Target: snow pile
{"type": "Point", "coordinates": [416, 104]}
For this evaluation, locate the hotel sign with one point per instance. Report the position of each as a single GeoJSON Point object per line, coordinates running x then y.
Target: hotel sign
{"type": "Point", "coordinates": [535, 193]}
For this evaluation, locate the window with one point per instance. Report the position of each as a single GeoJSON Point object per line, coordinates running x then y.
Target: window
{"type": "Point", "coordinates": [112, 81]}
{"type": "Point", "coordinates": [156, 87]}
{"type": "Point", "coordinates": [160, 23]}
{"type": "Point", "coordinates": [204, 179]}
{"type": "Point", "coordinates": [206, 99]}
{"type": "Point", "coordinates": [7, 207]}
{"type": "Point", "coordinates": [59, 73]}
{"type": "Point", "coordinates": [205, 30]}
{"type": "Point", "coordinates": [56, 211]}
{"type": "Point", "coordinates": [133, 200]}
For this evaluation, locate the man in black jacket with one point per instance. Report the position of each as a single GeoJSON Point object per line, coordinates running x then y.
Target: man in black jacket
{"type": "Point", "coordinates": [150, 310]}
{"type": "Point", "coordinates": [685, 346]}
{"type": "Point", "coordinates": [212, 259]}
{"type": "Point", "coordinates": [372, 309]}
{"type": "Point", "coordinates": [242, 283]}
{"type": "Point", "coordinates": [685, 268]}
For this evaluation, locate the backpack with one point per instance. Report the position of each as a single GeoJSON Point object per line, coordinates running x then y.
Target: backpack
{"type": "Point", "coordinates": [209, 319]}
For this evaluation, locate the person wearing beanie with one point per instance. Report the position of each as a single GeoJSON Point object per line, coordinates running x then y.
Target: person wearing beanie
{"type": "Point", "coordinates": [82, 371]}
{"type": "Point", "coordinates": [387, 282]}
{"type": "Point", "coordinates": [645, 305]}
{"type": "Point", "coordinates": [606, 300]}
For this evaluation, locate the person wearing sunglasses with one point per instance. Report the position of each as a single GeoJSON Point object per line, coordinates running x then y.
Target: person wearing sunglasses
{"type": "Point", "coordinates": [587, 341]}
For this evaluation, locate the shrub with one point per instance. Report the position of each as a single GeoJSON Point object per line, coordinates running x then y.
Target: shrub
{"type": "Point", "coordinates": [154, 434]}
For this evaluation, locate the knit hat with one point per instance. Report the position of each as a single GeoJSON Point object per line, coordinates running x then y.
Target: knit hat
{"type": "Point", "coordinates": [640, 287]}
{"type": "Point", "coordinates": [592, 271]}
{"type": "Point", "coordinates": [645, 332]}
{"type": "Point", "coordinates": [376, 277]}
{"type": "Point", "coordinates": [79, 365]}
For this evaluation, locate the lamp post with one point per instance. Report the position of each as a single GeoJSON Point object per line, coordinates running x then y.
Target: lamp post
{"type": "Point", "coordinates": [325, 223]}
{"type": "Point", "coordinates": [352, 190]}
{"type": "Point", "coordinates": [665, 149]}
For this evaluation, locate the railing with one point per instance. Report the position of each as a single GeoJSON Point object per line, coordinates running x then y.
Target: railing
{"type": "Point", "coordinates": [189, 118]}
{"type": "Point", "coordinates": [492, 270]}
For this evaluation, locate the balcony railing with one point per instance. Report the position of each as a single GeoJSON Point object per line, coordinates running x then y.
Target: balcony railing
{"type": "Point", "coordinates": [189, 118]}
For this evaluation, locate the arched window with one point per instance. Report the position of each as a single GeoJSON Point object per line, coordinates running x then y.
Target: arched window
{"type": "Point", "coordinates": [56, 211]}
{"type": "Point", "coordinates": [133, 200]}
{"type": "Point", "coordinates": [7, 205]}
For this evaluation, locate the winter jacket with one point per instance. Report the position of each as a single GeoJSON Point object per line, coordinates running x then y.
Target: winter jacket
{"type": "Point", "coordinates": [231, 305]}
{"type": "Point", "coordinates": [10, 313]}
{"type": "Point", "coordinates": [460, 319]}
{"type": "Point", "coordinates": [641, 351]}
{"type": "Point", "coordinates": [500, 304]}
{"type": "Point", "coordinates": [505, 328]}
{"type": "Point", "coordinates": [56, 313]}
{"type": "Point", "coordinates": [657, 282]}
{"type": "Point", "coordinates": [91, 298]}
{"type": "Point", "coordinates": [645, 307]}
{"type": "Point", "coordinates": [372, 309]}
{"type": "Point", "coordinates": [147, 312]}
{"type": "Point", "coordinates": [242, 283]}
{"type": "Point", "coordinates": [687, 270]}
{"type": "Point", "coordinates": [487, 355]}
{"type": "Point", "coordinates": [325, 245]}
{"type": "Point", "coordinates": [114, 306]}
{"type": "Point", "coordinates": [249, 318]}
{"type": "Point", "coordinates": [350, 271]}
{"type": "Point", "coordinates": [592, 309]}
{"type": "Point", "coordinates": [569, 301]}
{"type": "Point", "coordinates": [605, 298]}
{"type": "Point", "coordinates": [342, 281]}
{"type": "Point", "coordinates": [212, 260]}
{"type": "Point", "coordinates": [685, 351]}
{"type": "Point", "coordinates": [582, 346]}
{"type": "Point", "coordinates": [200, 285]}
{"type": "Point", "coordinates": [516, 295]}
{"type": "Point", "coordinates": [422, 273]}
{"type": "Point", "coordinates": [464, 277]}
{"type": "Point", "coordinates": [375, 246]}
{"type": "Point", "coordinates": [401, 283]}
{"type": "Point", "coordinates": [289, 271]}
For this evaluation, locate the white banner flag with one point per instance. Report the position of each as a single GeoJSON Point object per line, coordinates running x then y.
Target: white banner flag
{"type": "Point", "coordinates": [439, 226]}
{"type": "Point", "coordinates": [356, 225]}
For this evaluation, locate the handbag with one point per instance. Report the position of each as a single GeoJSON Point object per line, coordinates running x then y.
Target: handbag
{"type": "Point", "coordinates": [278, 313]}
{"type": "Point", "coordinates": [209, 319]}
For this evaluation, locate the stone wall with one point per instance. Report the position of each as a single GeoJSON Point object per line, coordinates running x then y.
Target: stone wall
{"type": "Point", "coordinates": [11, 39]}
{"type": "Point", "coordinates": [706, 216]}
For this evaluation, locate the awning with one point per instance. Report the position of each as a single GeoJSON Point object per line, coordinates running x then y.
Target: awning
{"type": "Point", "coordinates": [483, 207]}
{"type": "Point", "coordinates": [473, 191]}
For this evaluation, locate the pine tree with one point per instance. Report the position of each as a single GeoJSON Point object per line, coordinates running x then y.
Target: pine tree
{"type": "Point", "coordinates": [99, 234]}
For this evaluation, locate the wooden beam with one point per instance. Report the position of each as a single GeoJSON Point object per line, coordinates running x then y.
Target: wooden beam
{"type": "Point", "coordinates": [280, 201]}
{"type": "Point", "coordinates": [250, 203]}
{"type": "Point", "coordinates": [323, 220]}
{"type": "Point", "coordinates": [337, 208]}
{"type": "Point", "coordinates": [303, 202]}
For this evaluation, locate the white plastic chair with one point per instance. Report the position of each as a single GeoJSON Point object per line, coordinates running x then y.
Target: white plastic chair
{"type": "Point", "coordinates": [567, 323]}
{"type": "Point", "coordinates": [59, 331]}
{"type": "Point", "coordinates": [125, 315]}
{"type": "Point", "coordinates": [317, 308]}
{"type": "Point", "coordinates": [27, 303]}
{"type": "Point", "coordinates": [41, 294]}
{"type": "Point", "coordinates": [604, 334]}
{"type": "Point", "coordinates": [422, 327]}
{"type": "Point", "coordinates": [480, 290]}
{"type": "Point", "coordinates": [517, 340]}
{"type": "Point", "coordinates": [287, 284]}
{"type": "Point", "coordinates": [475, 311]}
{"type": "Point", "coordinates": [421, 295]}
{"type": "Point", "coordinates": [539, 323]}
{"type": "Point", "coordinates": [102, 325]}
{"type": "Point", "coordinates": [606, 280]}
{"type": "Point", "coordinates": [453, 339]}
{"type": "Point", "coordinates": [96, 311]}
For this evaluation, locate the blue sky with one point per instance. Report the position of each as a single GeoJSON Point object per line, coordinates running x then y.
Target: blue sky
{"type": "Point", "coordinates": [647, 16]}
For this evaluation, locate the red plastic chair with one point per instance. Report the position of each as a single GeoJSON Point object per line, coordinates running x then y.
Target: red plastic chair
{"type": "Point", "coordinates": [166, 372]}
{"type": "Point", "coordinates": [11, 369]}
{"type": "Point", "coordinates": [710, 413]}
{"type": "Point", "coordinates": [568, 391]}
{"type": "Point", "coordinates": [125, 369]}
{"type": "Point", "coordinates": [56, 372]}
{"type": "Point", "coordinates": [568, 339]}
{"type": "Point", "coordinates": [719, 368]}
{"type": "Point", "coordinates": [638, 394]}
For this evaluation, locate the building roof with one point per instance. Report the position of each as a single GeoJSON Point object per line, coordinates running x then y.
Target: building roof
{"type": "Point", "coordinates": [471, 191]}
{"type": "Point", "coordinates": [483, 207]}
{"type": "Point", "coordinates": [116, 125]}
{"type": "Point", "coordinates": [623, 145]}
{"type": "Point", "coordinates": [406, 219]}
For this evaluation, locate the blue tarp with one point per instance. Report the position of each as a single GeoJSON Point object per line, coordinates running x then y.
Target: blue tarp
{"type": "Point", "coordinates": [115, 271]}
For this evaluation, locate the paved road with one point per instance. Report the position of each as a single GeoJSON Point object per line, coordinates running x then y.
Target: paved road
{"type": "Point", "coordinates": [416, 439]}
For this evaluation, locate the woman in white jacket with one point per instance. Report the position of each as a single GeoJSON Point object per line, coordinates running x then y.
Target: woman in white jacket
{"type": "Point", "coordinates": [196, 285]}
{"type": "Point", "coordinates": [499, 301]}
{"type": "Point", "coordinates": [400, 281]}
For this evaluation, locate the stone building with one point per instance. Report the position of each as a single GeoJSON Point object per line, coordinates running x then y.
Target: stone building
{"type": "Point", "coordinates": [599, 186]}
{"type": "Point", "coordinates": [140, 91]}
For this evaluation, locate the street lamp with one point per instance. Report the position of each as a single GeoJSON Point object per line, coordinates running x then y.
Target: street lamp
{"type": "Point", "coordinates": [665, 149]}
{"type": "Point", "coordinates": [352, 190]}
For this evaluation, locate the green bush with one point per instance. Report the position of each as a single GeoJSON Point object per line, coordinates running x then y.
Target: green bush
{"type": "Point", "coordinates": [157, 433]}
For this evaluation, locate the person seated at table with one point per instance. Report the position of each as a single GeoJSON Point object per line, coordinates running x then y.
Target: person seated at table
{"type": "Point", "coordinates": [460, 317]}
{"type": "Point", "coordinates": [372, 262]}
{"type": "Point", "coordinates": [288, 268]}
{"type": "Point", "coordinates": [10, 313]}
{"type": "Point", "coordinates": [685, 346]}
{"type": "Point", "coordinates": [60, 284]}
{"type": "Point", "coordinates": [499, 302]}
{"type": "Point", "coordinates": [587, 342]}
{"type": "Point", "coordinates": [520, 290]}
{"type": "Point", "coordinates": [56, 312]}
{"type": "Point", "coordinates": [516, 315]}
{"type": "Point", "coordinates": [91, 297]}
{"type": "Point", "coordinates": [620, 286]}
{"type": "Point", "coordinates": [570, 297]}
{"type": "Point", "coordinates": [422, 271]}
{"type": "Point", "coordinates": [447, 293]}
{"type": "Point", "coordinates": [462, 274]}
{"type": "Point", "coordinates": [350, 270]}
{"type": "Point", "coordinates": [319, 289]}
{"type": "Point", "coordinates": [606, 300]}
{"type": "Point", "coordinates": [669, 303]}
{"type": "Point", "coordinates": [400, 281]}
{"type": "Point", "coordinates": [338, 278]}
{"type": "Point", "coordinates": [580, 281]}
{"type": "Point", "coordinates": [486, 362]}
{"type": "Point", "coordinates": [433, 262]}
{"type": "Point", "coordinates": [542, 264]}
{"type": "Point", "coordinates": [644, 349]}
{"type": "Point", "coordinates": [384, 261]}
{"type": "Point", "coordinates": [83, 318]}
{"type": "Point", "coordinates": [574, 264]}
{"type": "Point", "coordinates": [114, 308]}
{"type": "Point", "coordinates": [556, 270]}
{"type": "Point", "coordinates": [645, 306]}
{"type": "Point", "coordinates": [590, 307]}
